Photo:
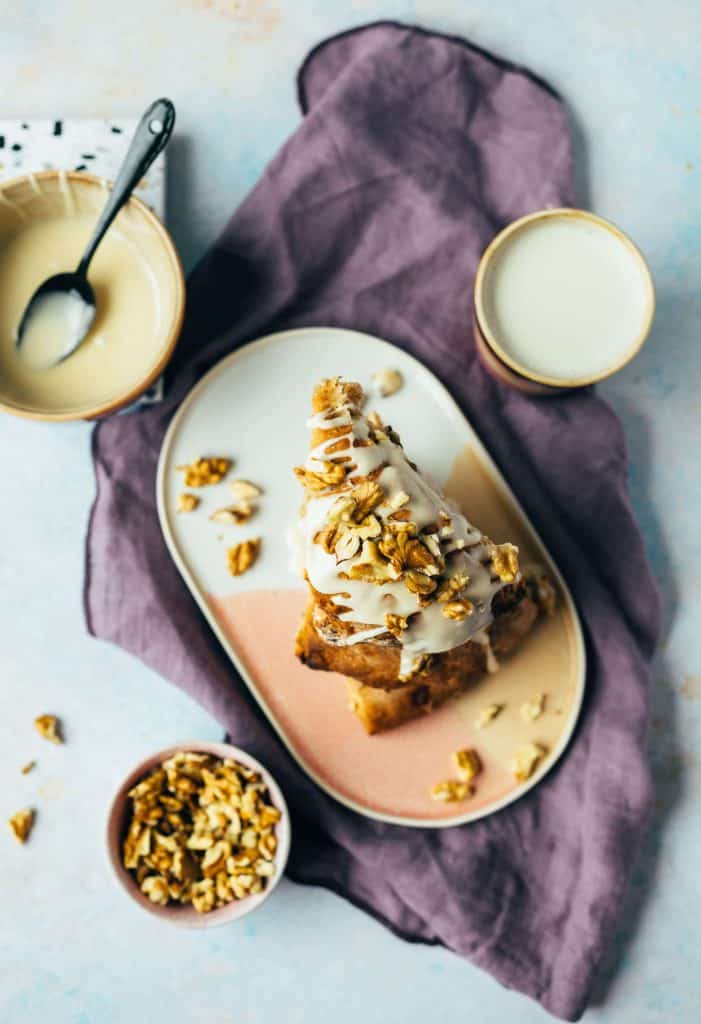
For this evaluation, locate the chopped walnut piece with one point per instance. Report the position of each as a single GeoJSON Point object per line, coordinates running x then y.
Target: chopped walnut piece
{"type": "Point", "coordinates": [330, 474]}
{"type": "Point", "coordinates": [504, 559]}
{"type": "Point", "coordinates": [156, 888]}
{"type": "Point", "coordinates": [205, 471]}
{"type": "Point", "coordinates": [451, 587]}
{"type": "Point", "coordinates": [467, 763]}
{"type": "Point", "coordinates": [396, 624]}
{"type": "Point", "coordinates": [458, 610]}
{"type": "Point", "coordinates": [242, 556]}
{"type": "Point", "coordinates": [236, 514]}
{"type": "Point", "coordinates": [28, 767]}
{"type": "Point", "coordinates": [533, 708]}
{"type": "Point", "coordinates": [21, 824]}
{"type": "Point", "coordinates": [419, 584]}
{"type": "Point", "coordinates": [185, 842]}
{"type": "Point", "coordinates": [450, 791]}
{"type": "Point", "coordinates": [244, 490]}
{"type": "Point", "coordinates": [387, 382]}
{"type": "Point", "coordinates": [488, 713]}
{"type": "Point", "coordinates": [49, 727]}
{"type": "Point", "coordinates": [187, 502]}
{"type": "Point", "coordinates": [526, 759]}
{"type": "Point", "coordinates": [372, 568]}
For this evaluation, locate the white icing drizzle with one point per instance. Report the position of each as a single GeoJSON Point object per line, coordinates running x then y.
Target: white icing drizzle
{"type": "Point", "coordinates": [366, 604]}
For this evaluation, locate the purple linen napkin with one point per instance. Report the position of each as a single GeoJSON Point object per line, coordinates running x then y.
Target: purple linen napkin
{"type": "Point", "coordinates": [413, 151]}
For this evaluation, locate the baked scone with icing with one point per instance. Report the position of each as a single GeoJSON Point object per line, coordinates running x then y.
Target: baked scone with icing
{"type": "Point", "coordinates": [407, 598]}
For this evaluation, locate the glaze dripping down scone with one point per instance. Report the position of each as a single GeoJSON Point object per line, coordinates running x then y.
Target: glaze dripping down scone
{"type": "Point", "coordinates": [408, 599]}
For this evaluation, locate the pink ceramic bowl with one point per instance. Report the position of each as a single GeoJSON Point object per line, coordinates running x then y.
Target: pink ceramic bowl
{"type": "Point", "coordinates": [185, 915]}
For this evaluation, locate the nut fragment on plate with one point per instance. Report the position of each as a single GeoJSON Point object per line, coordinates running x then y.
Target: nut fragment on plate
{"type": "Point", "coordinates": [467, 763]}
{"type": "Point", "coordinates": [49, 727]}
{"type": "Point", "coordinates": [488, 713]}
{"type": "Point", "coordinates": [21, 824]}
{"type": "Point", "coordinates": [187, 502]}
{"type": "Point", "coordinates": [242, 556]}
{"type": "Point", "coordinates": [204, 471]}
{"type": "Point", "coordinates": [450, 791]}
{"type": "Point", "coordinates": [526, 760]}
{"type": "Point", "coordinates": [236, 514]}
{"type": "Point", "coordinates": [201, 831]}
{"type": "Point", "coordinates": [28, 767]}
{"type": "Point", "coordinates": [386, 382]}
{"type": "Point", "coordinates": [533, 708]}
{"type": "Point", "coordinates": [244, 490]}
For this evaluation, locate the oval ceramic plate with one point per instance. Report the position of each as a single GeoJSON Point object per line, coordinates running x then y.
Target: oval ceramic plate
{"type": "Point", "coordinates": [253, 407]}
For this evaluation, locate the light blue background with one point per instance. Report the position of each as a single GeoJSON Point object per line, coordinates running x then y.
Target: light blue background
{"type": "Point", "coordinates": [72, 949]}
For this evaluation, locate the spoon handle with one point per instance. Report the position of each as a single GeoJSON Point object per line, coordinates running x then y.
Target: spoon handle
{"type": "Point", "coordinates": [153, 131]}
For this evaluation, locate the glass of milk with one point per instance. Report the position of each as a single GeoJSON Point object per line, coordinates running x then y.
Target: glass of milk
{"type": "Point", "coordinates": [562, 299]}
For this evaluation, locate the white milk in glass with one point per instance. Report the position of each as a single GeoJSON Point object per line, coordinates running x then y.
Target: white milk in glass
{"type": "Point", "coordinates": [566, 298]}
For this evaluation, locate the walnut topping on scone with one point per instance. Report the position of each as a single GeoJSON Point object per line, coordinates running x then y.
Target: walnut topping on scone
{"type": "Point", "coordinates": [49, 728]}
{"type": "Point", "coordinates": [21, 824]}
{"type": "Point", "coordinates": [242, 556]}
{"type": "Point", "coordinates": [505, 562]}
{"type": "Point", "coordinates": [205, 471]}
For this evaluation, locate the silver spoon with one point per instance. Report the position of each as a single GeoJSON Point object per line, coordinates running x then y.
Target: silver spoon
{"type": "Point", "coordinates": [73, 288]}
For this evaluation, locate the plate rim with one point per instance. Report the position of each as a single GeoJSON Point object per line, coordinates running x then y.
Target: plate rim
{"type": "Point", "coordinates": [504, 490]}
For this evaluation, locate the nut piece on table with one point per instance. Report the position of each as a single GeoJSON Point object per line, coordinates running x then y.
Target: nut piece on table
{"type": "Point", "coordinates": [533, 708]}
{"type": "Point", "coordinates": [49, 727]}
{"type": "Point", "coordinates": [487, 714]}
{"type": "Point", "coordinates": [21, 824]}
{"type": "Point", "coordinates": [236, 514]}
{"type": "Point", "coordinates": [187, 502]}
{"type": "Point", "coordinates": [526, 759]}
{"type": "Point", "coordinates": [244, 490]}
{"type": "Point", "coordinates": [450, 791]}
{"type": "Point", "coordinates": [387, 382]}
{"type": "Point", "coordinates": [205, 471]}
{"type": "Point", "coordinates": [242, 556]}
{"type": "Point", "coordinates": [467, 763]}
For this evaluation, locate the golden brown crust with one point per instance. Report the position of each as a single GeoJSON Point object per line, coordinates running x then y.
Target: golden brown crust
{"type": "Point", "coordinates": [379, 710]}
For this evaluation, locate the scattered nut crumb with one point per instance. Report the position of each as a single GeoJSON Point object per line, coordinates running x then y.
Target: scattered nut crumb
{"type": "Point", "coordinates": [387, 382]}
{"type": "Point", "coordinates": [202, 831]}
{"type": "Point", "coordinates": [22, 823]}
{"type": "Point", "coordinates": [29, 766]}
{"type": "Point", "coordinates": [467, 763]}
{"type": "Point", "coordinates": [236, 514]}
{"type": "Point", "coordinates": [242, 556]}
{"type": "Point", "coordinates": [533, 708]}
{"type": "Point", "coordinates": [187, 502]}
{"type": "Point", "coordinates": [204, 471]}
{"type": "Point", "coordinates": [450, 790]}
{"type": "Point", "coordinates": [244, 490]}
{"type": "Point", "coordinates": [526, 760]}
{"type": "Point", "coordinates": [49, 727]}
{"type": "Point", "coordinates": [487, 714]}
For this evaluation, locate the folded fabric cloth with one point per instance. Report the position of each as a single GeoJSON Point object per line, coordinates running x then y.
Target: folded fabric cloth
{"type": "Point", "coordinates": [414, 150]}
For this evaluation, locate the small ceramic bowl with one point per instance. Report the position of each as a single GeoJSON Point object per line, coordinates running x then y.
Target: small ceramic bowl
{"type": "Point", "coordinates": [28, 202]}
{"type": "Point", "coordinates": [494, 354]}
{"type": "Point", "coordinates": [184, 915]}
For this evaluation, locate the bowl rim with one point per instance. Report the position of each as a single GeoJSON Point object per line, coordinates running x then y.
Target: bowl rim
{"type": "Point", "coordinates": [563, 383]}
{"type": "Point", "coordinates": [233, 911]}
{"type": "Point", "coordinates": [104, 408]}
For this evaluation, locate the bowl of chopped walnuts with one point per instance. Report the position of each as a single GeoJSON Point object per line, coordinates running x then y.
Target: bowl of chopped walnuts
{"type": "Point", "coordinates": [199, 834]}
